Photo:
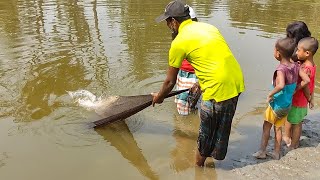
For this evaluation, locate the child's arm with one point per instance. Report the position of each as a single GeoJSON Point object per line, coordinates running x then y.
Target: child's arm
{"type": "Point", "coordinates": [305, 76]}
{"type": "Point", "coordinates": [311, 102]}
{"type": "Point", "coordinates": [280, 83]}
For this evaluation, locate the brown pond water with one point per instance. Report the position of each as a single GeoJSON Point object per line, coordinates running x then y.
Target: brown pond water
{"type": "Point", "coordinates": [114, 47]}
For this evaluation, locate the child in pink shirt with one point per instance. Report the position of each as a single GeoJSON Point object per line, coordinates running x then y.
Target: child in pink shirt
{"type": "Point", "coordinates": [306, 49]}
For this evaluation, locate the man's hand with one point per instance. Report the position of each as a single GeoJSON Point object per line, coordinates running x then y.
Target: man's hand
{"type": "Point", "coordinates": [167, 86]}
{"type": "Point", "coordinates": [156, 99]}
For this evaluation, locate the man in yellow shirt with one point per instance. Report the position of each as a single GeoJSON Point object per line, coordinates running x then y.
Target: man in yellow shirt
{"type": "Point", "coordinates": [220, 77]}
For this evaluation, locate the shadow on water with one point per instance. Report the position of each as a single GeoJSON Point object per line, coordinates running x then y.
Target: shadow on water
{"type": "Point", "coordinates": [238, 155]}
{"type": "Point", "coordinates": [182, 155]}
{"type": "Point", "coordinates": [119, 136]}
{"type": "Point", "coordinates": [185, 136]}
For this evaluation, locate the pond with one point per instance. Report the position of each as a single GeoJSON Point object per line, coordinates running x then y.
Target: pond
{"type": "Point", "coordinates": [114, 47]}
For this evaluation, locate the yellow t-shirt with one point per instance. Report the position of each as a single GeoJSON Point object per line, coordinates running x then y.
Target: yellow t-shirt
{"type": "Point", "coordinates": [219, 73]}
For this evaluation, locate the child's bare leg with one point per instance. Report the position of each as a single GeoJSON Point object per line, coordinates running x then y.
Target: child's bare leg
{"type": "Point", "coordinates": [265, 135]}
{"type": "Point", "coordinates": [287, 133]}
{"type": "Point", "coordinates": [277, 142]}
{"type": "Point", "coordinates": [262, 153]}
{"type": "Point", "coordinates": [300, 134]}
{"type": "Point", "coordinates": [296, 134]}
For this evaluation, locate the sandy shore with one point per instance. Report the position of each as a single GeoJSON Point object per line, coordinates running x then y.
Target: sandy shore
{"type": "Point", "coordinates": [301, 163]}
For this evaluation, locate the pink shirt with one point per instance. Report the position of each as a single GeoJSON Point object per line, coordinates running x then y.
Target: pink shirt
{"type": "Point", "coordinates": [299, 100]}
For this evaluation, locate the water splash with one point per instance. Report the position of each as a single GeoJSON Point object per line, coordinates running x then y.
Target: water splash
{"type": "Point", "coordinates": [84, 98]}
{"type": "Point", "coordinates": [90, 101]}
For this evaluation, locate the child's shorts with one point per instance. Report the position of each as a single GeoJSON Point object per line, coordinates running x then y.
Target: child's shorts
{"type": "Point", "coordinates": [184, 80]}
{"type": "Point", "coordinates": [272, 118]}
{"type": "Point", "coordinates": [296, 114]}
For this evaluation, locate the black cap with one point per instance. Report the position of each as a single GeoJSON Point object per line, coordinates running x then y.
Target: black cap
{"type": "Point", "coordinates": [175, 8]}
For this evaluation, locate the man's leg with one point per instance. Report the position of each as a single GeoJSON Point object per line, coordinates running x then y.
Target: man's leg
{"type": "Point", "coordinates": [200, 159]}
{"type": "Point", "coordinates": [206, 133]}
{"type": "Point", "coordinates": [223, 115]}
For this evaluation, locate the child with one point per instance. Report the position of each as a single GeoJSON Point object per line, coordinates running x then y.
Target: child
{"type": "Point", "coordinates": [186, 79]}
{"type": "Point", "coordinates": [280, 98]}
{"type": "Point", "coordinates": [306, 49]}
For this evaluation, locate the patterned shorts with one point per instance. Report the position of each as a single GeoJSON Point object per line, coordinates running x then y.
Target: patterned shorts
{"type": "Point", "coordinates": [215, 126]}
{"type": "Point", "coordinates": [185, 80]}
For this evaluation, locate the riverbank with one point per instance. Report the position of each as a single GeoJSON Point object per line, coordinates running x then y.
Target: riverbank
{"type": "Point", "coordinates": [301, 163]}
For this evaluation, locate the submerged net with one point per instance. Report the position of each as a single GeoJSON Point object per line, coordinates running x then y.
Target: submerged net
{"type": "Point", "coordinates": [126, 106]}
{"type": "Point", "coordinates": [122, 108]}
{"type": "Point", "coordinates": [114, 108]}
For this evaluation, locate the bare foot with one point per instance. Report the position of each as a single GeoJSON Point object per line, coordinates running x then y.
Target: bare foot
{"type": "Point", "coordinates": [290, 148]}
{"type": "Point", "coordinates": [293, 147]}
{"type": "Point", "coordinates": [287, 140]}
{"type": "Point", "coordinates": [274, 155]}
{"type": "Point", "coordinates": [260, 155]}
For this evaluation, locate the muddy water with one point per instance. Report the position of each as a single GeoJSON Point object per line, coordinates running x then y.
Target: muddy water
{"type": "Point", "coordinates": [114, 47]}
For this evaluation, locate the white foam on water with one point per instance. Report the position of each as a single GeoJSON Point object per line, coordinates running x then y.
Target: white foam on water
{"type": "Point", "coordinates": [84, 98]}
{"type": "Point", "coordinates": [90, 101]}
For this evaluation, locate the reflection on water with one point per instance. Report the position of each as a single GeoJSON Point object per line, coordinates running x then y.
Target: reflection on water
{"type": "Point", "coordinates": [183, 155]}
{"type": "Point", "coordinates": [186, 137]}
{"type": "Point", "coordinates": [48, 82]}
{"type": "Point", "coordinates": [257, 14]}
{"type": "Point", "coordinates": [119, 136]}
{"type": "Point", "coordinates": [114, 47]}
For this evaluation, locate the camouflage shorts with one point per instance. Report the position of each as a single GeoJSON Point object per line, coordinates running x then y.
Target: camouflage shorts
{"type": "Point", "coordinates": [215, 126]}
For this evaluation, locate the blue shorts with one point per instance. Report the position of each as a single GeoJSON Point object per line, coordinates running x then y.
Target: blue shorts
{"type": "Point", "coordinates": [216, 119]}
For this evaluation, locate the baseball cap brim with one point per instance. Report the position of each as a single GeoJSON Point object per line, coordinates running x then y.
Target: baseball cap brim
{"type": "Point", "coordinates": [161, 18]}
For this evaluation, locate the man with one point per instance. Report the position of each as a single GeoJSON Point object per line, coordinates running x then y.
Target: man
{"type": "Point", "coordinates": [220, 77]}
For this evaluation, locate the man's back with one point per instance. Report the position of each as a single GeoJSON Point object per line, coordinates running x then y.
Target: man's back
{"type": "Point", "coordinates": [219, 73]}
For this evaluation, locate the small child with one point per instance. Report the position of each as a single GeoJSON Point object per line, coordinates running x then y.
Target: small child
{"type": "Point", "coordinates": [186, 79]}
{"type": "Point", "coordinates": [306, 49]}
{"type": "Point", "coordinates": [280, 98]}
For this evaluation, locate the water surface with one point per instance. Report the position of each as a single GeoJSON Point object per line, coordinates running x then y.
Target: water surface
{"type": "Point", "coordinates": [114, 47]}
